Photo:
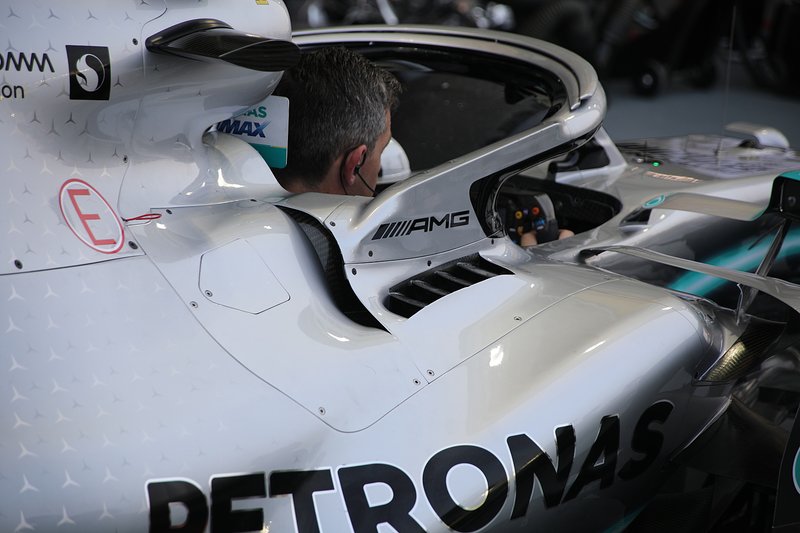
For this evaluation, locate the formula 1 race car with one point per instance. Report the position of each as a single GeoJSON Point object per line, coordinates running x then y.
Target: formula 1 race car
{"type": "Point", "coordinates": [189, 347]}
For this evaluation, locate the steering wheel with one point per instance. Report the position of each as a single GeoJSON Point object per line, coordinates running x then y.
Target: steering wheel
{"type": "Point", "coordinates": [523, 213]}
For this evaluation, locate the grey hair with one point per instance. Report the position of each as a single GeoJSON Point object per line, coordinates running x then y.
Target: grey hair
{"type": "Point", "coordinates": [337, 101]}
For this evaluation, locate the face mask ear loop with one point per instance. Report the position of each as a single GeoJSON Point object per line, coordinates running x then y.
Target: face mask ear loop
{"type": "Point", "coordinates": [358, 173]}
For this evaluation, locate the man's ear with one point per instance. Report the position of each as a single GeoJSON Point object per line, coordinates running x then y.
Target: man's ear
{"type": "Point", "coordinates": [352, 163]}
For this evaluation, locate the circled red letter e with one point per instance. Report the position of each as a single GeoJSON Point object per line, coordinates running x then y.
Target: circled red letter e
{"type": "Point", "coordinates": [78, 188]}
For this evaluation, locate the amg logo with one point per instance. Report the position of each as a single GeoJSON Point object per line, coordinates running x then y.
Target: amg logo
{"type": "Point", "coordinates": [20, 61]}
{"type": "Point", "coordinates": [424, 224]}
{"type": "Point", "coordinates": [236, 127]}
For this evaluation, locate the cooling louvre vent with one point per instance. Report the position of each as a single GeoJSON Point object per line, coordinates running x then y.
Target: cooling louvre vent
{"type": "Point", "coordinates": [412, 295]}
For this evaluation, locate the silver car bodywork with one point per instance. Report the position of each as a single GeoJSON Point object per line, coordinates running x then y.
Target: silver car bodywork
{"type": "Point", "coordinates": [179, 354]}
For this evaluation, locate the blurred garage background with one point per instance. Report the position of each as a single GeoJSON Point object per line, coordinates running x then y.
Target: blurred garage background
{"type": "Point", "coordinates": [669, 67]}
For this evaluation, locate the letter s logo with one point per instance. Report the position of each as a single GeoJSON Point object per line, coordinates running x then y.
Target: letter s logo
{"type": "Point", "coordinates": [89, 72]}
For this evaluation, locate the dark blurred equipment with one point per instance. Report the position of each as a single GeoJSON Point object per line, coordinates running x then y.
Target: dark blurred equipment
{"type": "Point", "coordinates": [767, 44]}
{"type": "Point", "coordinates": [651, 42]}
{"type": "Point", "coordinates": [474, 13]}
{"type": "Point", "coordinates": [655, 42]}
{"type": "Point", "coordinates": [567, 23]}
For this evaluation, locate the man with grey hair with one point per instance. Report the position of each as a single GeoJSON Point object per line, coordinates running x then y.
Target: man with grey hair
{"type": "Point", "coordinates": [340, 108]}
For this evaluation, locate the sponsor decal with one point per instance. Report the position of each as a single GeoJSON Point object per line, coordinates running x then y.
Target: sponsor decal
{"type": "Point", "coordinates": [243, 127]}
{"type": "Point", "coordinates": [22, 61]}
{"type": "Point", "coordinates": [265, 127]}
{"type": "Point", "coordinates": [90, 217]}
{"type": "Point", "coordinates": [11, 91]}
{"type": "Point", "coordinates": [427, 224]}
{"type": "Point", "coordinates": [530, 463]}
{"type": "Point", "coordinates": [89, 72]}
{"type": "Point", "coordinates": [672, 177]}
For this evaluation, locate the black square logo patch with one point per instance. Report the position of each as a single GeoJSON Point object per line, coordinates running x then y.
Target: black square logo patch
{"type": "Point", "coordinates": [89, 72]}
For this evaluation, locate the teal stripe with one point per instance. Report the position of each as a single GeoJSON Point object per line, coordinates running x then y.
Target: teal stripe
{"type": "Point", "coordinates": [273, 155]}
{"type": "Point", "coordinates": [792, 174]}
{"type": "Point", "coordinates": [743, 258]}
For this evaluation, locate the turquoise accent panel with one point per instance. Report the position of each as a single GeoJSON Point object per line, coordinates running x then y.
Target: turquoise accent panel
{"type": "Point", "coordinates": [744, 258]}
{"type": "Point", "coordinates": [653, 202]}
{"type": "Point", "coordinates": [792, 174]}
{"type": "Point", "coordinates": [273, 155]}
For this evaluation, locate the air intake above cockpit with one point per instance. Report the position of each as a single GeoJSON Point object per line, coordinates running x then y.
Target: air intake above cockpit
{"type": "Point", "coordinates": [413, 294]}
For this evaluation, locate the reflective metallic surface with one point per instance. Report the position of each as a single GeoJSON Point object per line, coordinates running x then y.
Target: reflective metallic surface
{"type": "Point", "coordinates": [187, 345]}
